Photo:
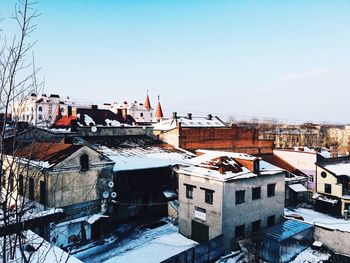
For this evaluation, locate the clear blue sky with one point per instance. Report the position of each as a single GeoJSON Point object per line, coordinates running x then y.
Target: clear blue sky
{"type": "Point", "coordinates": [284, 59]}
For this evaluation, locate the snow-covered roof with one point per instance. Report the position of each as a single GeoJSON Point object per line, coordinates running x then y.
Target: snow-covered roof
{"type": "Point", "coordinates": [140, 153]}
{"type": "Point", "coordinates": [218, 165]}
{"type": "Point", "coordinates": [44, 251]}
{"type": "Point", "coordinates": [170, 124]}
{"type": "Point", "coordinates": [339, 168]}
{"type": "Point", "coordinates": [317, 218]}
{"type": "Point", "coordinates": [209, 154]}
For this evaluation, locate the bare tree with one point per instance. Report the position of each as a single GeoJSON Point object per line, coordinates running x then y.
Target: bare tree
{"type": "Point", "coordinates": [18, 78]}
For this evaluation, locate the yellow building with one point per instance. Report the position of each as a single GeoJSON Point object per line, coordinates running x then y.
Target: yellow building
{"type": "Point", "coordinates": [333, 184]}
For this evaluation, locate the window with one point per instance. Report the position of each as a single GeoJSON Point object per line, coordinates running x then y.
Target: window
{"type": "Point", "coordinates": [31, 188]}
{"type": "Point", "coordinates": [209, 194]}
{"type": "Point", "coordinates": [20, 184]}
{"type": "Point", "coordinates": [42, 193]}
{"type": "Point", "coordinates": [40, 117]}
{"type": "Point", "coordinates": [256, 193]}
{"type": "Point", "coordinates": [141, 114]}
{"type": "Point", "coordinates": [84, 162]}
{"type": "Point", "coordinates": [328, 188]}
{"type": "Point", "coordinates": [189, 191]}
{"type": "Point", "coordinates": [271, 190]}
{"type": "Point", "coordinates": [324, 174]}
{"type": "Point", "coordinates": [240, 231]}
{"type": "Point", "coordinates": [240, 197]}
{"type": "Point", "coordinates": [311, 179]}
{"type": "Point", "coordinates": [271, 221]}
{"type": "Point", "coordinates": [40, 109]}
{"type": "Point", "coordinates": [256, 226]}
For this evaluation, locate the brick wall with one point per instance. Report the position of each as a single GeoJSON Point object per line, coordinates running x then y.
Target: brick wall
{"type": "Point", "coordinates": [239, 139]}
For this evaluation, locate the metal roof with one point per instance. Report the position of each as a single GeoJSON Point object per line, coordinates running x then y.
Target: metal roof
{"type": "Point", "coordinates": [286, 230]}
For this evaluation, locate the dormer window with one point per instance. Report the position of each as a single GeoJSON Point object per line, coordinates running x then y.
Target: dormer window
{"type": "Point", "coordinates": [84, 162]}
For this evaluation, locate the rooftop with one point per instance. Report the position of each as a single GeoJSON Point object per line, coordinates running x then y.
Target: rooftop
{"type": "Point", "coordinates": [46, 155]}
{"type": "Point", "coordinates": [286, 230]}
{"type": "Point", "coordinates": [138, 152]}
{"type": "Point", "coordinates": [218, 165]}
{"type": "Point", "coordinates": [170, 124]}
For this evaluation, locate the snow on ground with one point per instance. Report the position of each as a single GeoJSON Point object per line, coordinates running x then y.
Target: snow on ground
{"type": "Point", "coordinates": [312, 217]}
{"type": "Point", "coordinates": [156, 250]}
{"type": "Point", "coordinates": [311, 256]}
{"type": "Point", "coordinates": [150, 245]}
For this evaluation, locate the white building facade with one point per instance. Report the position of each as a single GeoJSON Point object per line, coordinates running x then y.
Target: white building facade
{"type": "Point", "coordinates": [219, 196]}
{"type": "Point", "coordinates": [40, 110]}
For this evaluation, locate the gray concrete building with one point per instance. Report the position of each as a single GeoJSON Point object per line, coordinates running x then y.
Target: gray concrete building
{"type": "Point", "coordinates": [226, 193]}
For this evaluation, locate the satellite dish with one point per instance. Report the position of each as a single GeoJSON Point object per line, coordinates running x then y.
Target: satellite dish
{"type": "Point", "coordinates": [94, 129]}
{"type": "Point", "coordinates": [105, 194]}
{"type": "Point", "coordinates": [110, 184]}
{"type": "Point", "coordinates": [113, 194]}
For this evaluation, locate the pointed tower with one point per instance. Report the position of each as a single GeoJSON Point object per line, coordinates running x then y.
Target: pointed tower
{"type": "Point", "coordinates": [147, 102]}
{"type": "Point", "coordinates": [159, 112]}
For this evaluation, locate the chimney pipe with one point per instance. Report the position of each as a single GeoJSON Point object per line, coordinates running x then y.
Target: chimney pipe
{"type": "Point", "coordinates": [210, 117]}
{"type": "Point", "coordinates": [175, 115]}
{"type": "Point", "coordinates": [189, 116]}
{"type": "Point", "coordinates": [73, 126]}
{"type": "Point", "coordinates": [94, 107]}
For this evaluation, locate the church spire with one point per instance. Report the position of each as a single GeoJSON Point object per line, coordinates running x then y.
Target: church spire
{"type": "Point", "coordinates": [147, 102]}
{"type": "Point", "coordinates": [159, 112]}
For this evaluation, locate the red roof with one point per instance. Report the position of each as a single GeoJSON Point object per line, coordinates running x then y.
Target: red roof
{"type": "Point", "coordinates": [53, 153]}
{"type": "Point", "coordinates": [159, 112]}
{"type": "Point", "coordinates": [64, 122]}
{"type": "Point", "coordinates": [147, 103]}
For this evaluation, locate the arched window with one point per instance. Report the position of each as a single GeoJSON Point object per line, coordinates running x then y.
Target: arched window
{"type": "Point", "coordinates": [141, 114]}
{"type": "Point", "coordinates": [84, 162]}
{"type": "Point", "coordinates": [40, 108]}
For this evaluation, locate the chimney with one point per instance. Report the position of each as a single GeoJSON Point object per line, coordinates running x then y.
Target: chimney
{"type": "Point", "coordinates": [69, 111]}
{"type": "Point", "coordinates": [94, 107]}
{"type": "Point", "coordinates": [73, 126]}
{"type": "Point", "coordinates": [210, 117]}
{"type": "Point", "coordinates": [189, 116]}
{"type": "Point", "coordinates": [256, 166]}
{"type": "Point", "coordinates": [175, 115]}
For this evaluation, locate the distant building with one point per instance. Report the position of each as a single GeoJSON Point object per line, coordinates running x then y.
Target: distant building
{"type": "Point", "coordinates": [211, 133]}
{"type": "Point", "coordinates": [41, 111]}
{"type": "Point", "coordinates": [289, 136]}
{"type": "Point", "coordinates": [302, 159]}
{"type": "Point", "coordinates": [142, 113]}
{"type": "Point", "coordinates": [333, 185]}
{"type": "Point", "coordinates": [226, 193]}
